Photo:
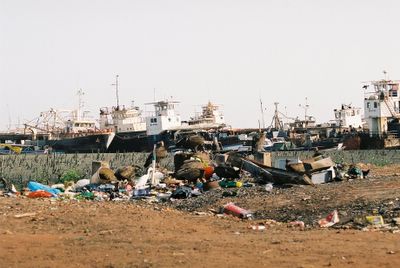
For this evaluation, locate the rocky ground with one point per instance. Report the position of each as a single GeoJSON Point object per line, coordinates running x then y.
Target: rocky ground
{"type": "Point", "coordinates": [70, 233]}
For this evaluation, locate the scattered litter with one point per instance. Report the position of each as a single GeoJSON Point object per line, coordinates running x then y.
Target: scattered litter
{"type": "Point", "coordinates": [230, 184]}
{"type": "Point", "coordinates": [330, 220]}
{"type": "Point", "coordinates": [374, 220]}
{"type": "Point", "coordinates": [234, 210]}
{"type": "Point", "coordinates": [201, 213]}
{"type": "Point", "coordinates": [297, 224]}
{"type": "Point", "coordinates": [34, 186]}
{"type": "Point", "coordinates": [24, 215]}
{"type": "Point", "coordinates": [257, 227]}
{"type": "Point", "coordinates": [198, 182]}
{"type": "Point", "coordinates": [269, 187]}
{"type": "Point", "coordinates": [40, 194]}
{"type": "Point", "coordinates": [182, 192]}
{"type": "Point", "coordinates": [81, 183]}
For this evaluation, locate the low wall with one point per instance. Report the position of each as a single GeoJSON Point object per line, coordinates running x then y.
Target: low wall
{"type": "Point", "coordinates": [376, 157]}
{"type": "Point", "coordinates": [20, 169]}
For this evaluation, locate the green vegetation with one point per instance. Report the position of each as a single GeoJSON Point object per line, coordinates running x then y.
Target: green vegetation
{"type": "Point", "coordinates": [71, 175]}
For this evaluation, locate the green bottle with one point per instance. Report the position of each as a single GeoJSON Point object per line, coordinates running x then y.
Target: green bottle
{"type": "Point", "coordinates": [230, 184]}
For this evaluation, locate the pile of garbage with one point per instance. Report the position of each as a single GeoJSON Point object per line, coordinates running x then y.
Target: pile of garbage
{"type": "Point", "coordinates": [201, 179]}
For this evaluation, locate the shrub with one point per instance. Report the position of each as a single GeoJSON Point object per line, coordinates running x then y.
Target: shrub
{"type": "Point", "coordinates": [70, 175]}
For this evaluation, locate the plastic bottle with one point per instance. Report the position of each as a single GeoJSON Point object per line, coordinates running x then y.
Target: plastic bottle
{"type": "Point", "coordinates": [230, 184]}
{"type": "Point", "coordinates": [234, 210]}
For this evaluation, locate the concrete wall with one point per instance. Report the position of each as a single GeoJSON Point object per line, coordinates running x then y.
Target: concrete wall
{"type": "Point", "coordinates": [19, 169]}
{"type": "Point", "coordinates": [376, 157]}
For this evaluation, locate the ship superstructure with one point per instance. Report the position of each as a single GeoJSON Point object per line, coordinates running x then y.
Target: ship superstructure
{"type": "Point", "coordinates": [122, 119]}
{"type": "Point", "coordinates": [348, 117]}
{"type": "Point", "coordinates": [164, 117]}
{"type": "Point", "coordinates": [381, 107]}
{"type": "Point", "coordinates": [211, 116]}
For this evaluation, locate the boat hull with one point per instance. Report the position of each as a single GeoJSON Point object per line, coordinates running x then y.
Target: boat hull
{"type": "Point", "coordinates": [139, 141]}
{"type": "Point", "coordinates": [130, 142]}
{"type": "Point", "coordinates": [94, 143]}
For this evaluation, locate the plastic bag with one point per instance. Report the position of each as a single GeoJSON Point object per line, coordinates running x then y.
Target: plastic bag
{"type": "Point", "coordinates": [39, 194]}
{"type": "Point", "coordinates": [34, 186]}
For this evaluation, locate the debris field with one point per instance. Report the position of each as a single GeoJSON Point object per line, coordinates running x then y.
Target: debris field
{"type": "Point", "coordinates": [155, 220]}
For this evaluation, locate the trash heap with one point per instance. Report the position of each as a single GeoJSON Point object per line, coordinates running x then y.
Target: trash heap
{"type": "Point", "coordinates": [203, 179]}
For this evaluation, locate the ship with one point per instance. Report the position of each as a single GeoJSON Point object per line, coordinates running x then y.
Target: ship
{"type": "Point", "coordinates": [69, 131]}
{"type": "Point", "coordinates": [382, 114]}
{"type": "Point", "coordinates": [135, 132]}
{"type": "Point", "coordinates": [165, 124]}
{"type": "Point", "coordinates": [128, 126]}
{"type": "Point", "coordinates": [210, 116]}
{"type": "Point", "coordinates": [82, 142]}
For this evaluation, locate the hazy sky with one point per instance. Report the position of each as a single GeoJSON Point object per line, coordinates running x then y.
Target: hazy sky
{"type": "Point", "coordinates": [230, 52]}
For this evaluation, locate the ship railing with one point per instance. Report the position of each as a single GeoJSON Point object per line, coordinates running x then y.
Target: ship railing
{"type": "Point", "coordinates": [394, 134]}
{"type": "Point", "coordinates": [89, 132]}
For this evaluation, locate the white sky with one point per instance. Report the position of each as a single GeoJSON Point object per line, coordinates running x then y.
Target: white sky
{"type": "Point", "coordinates": [230, 52]}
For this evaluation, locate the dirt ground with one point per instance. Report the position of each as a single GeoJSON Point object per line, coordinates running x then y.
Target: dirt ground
{"type": "Point", "coordinates": [137, 234]}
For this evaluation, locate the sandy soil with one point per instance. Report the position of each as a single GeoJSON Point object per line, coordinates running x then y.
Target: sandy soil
{"type": "Point", "coordinates": [137, 234]}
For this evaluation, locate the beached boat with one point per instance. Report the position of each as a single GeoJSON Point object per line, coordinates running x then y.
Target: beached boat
{"type": "Point", "coordinates": [129, 127]}
{"type": "Point", "coordinates": [69, 131]}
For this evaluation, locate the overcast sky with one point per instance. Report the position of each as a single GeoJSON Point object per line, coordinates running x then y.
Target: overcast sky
{"type": "Point", "coordinates": [230, 52]}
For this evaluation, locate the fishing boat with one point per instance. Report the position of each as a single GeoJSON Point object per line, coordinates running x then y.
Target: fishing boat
{"type": "Point", "coordinates": [69, 131]}
{"type": "Point", "coordinates": [382, 114]}
{"type": "Point", "coordinates": [162, 122]}
{"type": "Point", "coordinates": [128, 126]}
{"type": "Point", "coordinates": [165, 124]}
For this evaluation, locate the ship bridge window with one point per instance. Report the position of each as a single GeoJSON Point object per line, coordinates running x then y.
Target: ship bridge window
{"type": "Point", "coordinates": [153, 120]}
{"type": "Point", "coordinates": [375, 104]}
{"type": "Point", "coordinates": [368, 105]}
{"type": "Point", "coordinates": [393, 93]}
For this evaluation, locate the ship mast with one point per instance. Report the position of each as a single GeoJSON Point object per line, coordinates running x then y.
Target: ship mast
{"type": "Point", "coordinates": [116, 89]}
{"type": "Point", "coordinates": [385, 74]}
{"type": "Point", "coordinates": [80, 104]}
{"type": "Point", "coordinates": [262, 114]}
{"type": "Point", "coordinates": [305, 107]}
{"type": "Point", "coordinates": [276, 121]}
